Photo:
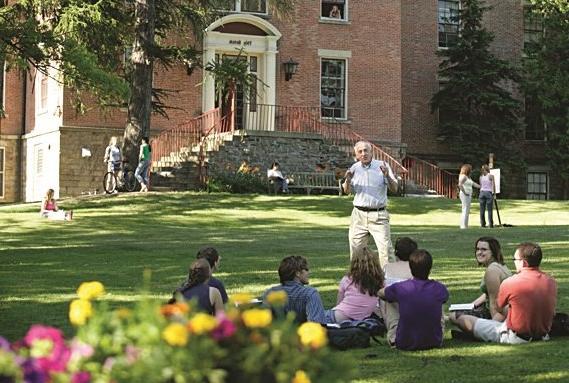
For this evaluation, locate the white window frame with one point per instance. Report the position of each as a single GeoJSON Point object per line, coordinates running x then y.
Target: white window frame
{"type": "Point", "coordinates": [327, 54]}
{"type": "Point", "coordinates": [41, 106]}
{"type": "Point", "coordinates": [344, 13]}
{"type": "Point", "coordinates": [534, 193]}
{"type": "Point", "coordinates": [2, 172]}
{"type": "Point", "coordinates": [3, 90]}
{"type": "Point", "coordinates": [449, 23]}
{"type": "Point", "coordinates": [237, 8]}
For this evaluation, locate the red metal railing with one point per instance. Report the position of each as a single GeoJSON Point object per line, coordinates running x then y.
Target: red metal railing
{"type": "Point", "coordinates": [431, 176]}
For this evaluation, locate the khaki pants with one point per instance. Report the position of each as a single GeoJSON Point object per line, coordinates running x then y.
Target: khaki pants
{"type": "Point", "coordinates": [376, 224]}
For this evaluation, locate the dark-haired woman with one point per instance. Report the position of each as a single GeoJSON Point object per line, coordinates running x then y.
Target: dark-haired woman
{"type": "Point", "coordinates": [197, 288]}
{"type": "Point", "coordinates": [357, 294]}
{"type": "Point", "coordinates": [488, 253]}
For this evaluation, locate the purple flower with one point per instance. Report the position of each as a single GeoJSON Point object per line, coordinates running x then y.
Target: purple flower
{"type": "Point", "coordinates": [224, 329]}
{"type": "Point", "coordinates": [81, 377]}
{"type": "Point", "coordinates": [33, 373]}
{"type": "Point", "coordinates": [4, 344]}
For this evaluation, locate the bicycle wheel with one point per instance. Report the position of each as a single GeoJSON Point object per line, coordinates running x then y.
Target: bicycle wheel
{"type": "Point", "coordinates": [110, 182]}
{"type": "Point", "coordinates": [130, 181]}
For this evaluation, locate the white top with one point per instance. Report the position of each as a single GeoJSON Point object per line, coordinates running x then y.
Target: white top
{"type": "Point", "coordinates": [369, 184]}
{"type": "Point", "coordinates": [467, 185]}
{"type": "Point", "coordinates": [271, 173]}
{"type": "Point", "coordinates": [113, 153]}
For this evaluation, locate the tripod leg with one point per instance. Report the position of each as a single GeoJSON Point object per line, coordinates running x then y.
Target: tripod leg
{"type": "Point", "coordinates": [497, 211]}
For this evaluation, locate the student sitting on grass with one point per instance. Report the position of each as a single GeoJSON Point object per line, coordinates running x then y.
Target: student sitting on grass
{"type": "Point", "coordinates": [214, 259]}
{"type": "Point", "coordinates": [397, 271]}
{"type": "Point", "coordinates": [420, 305]}
{"type": "Point", "coordinates": [357, 293]}
{"type": "Point", "coordinates": [197, 288]}
{"type": "Point", "coordinates": [50, 210]}
{"type": "Point", "coordinates": [303, 300]}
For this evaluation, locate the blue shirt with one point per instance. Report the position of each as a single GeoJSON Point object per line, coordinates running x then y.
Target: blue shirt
{"type": "Point", "coordinates": [303, 300]}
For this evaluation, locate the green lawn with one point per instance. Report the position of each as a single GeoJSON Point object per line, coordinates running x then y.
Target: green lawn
{"type": "Point", "coordinates": [113, 239]}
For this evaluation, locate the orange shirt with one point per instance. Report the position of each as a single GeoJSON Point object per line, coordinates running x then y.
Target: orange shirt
{"type": "Point", "coordinates": [531, 295]}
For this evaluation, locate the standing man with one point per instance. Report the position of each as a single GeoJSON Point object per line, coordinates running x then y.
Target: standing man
{"type": "Point", "coordinates": [370, 180]}
{"type": "Point", "coordinates": [527, 299]}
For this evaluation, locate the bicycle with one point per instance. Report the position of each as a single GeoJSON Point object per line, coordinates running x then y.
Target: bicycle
{"type": "Point", "coordinates": [123, 180]}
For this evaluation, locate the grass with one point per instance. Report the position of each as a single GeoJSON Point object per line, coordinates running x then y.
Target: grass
{"type": "Point", "coordinates": [113, 239]}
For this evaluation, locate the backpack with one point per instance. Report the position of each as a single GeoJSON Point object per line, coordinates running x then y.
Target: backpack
{"type": "Point", "coordinates": [355, 333]}
{"type": "Point", "coordinates": [560, 325]}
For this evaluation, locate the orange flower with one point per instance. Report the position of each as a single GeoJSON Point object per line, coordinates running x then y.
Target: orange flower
{"type": "Point", "coordinates": [179, 308]}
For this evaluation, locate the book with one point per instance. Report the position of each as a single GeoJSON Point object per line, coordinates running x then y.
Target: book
{"type": "Point", "coordinates": [461, 307]}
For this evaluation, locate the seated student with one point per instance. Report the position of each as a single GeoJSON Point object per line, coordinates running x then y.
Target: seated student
{"type": "Point", "coordinates": [196, 287]}
{"type": "Point", "coordinates": [489, 254]}
{"type": "Point", "coordinates": [50, 210]}
{"type": "Point", "coordinates": [397, 271]}
{"type": "Point", "coordinates": [531, 296]}
{"type": "Point", "coordinates": [214, 259]}
{"type": "Point", "coordinates": [303, 300]}
{"type": "Point", "coordinates": [357, 293]}
{"type": "Point", "coordinates": [420, 305]}
{"type": "Point", "coordinates": [275, 174]}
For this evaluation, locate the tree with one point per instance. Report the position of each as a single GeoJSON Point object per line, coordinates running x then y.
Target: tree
{"type": "Point", "coordinates": [477, 114]}
{"type": "Point", "coordinates": [86, 41]}
{"type": "Point", "coordinates": [546, 70]}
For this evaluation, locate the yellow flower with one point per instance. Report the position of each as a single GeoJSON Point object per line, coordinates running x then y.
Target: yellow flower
{"type": "Point", "coordinates": [277, 298]}
{"type": "Point", "coordinates": [257, 318]}
{"type": "Point", "coordinates": [90, 290]}
{"type": "Point", "coordinates": [175, 334]}
{"type": "Point", "coordinates": [301, 377]}
{"type": "Point", "coordinates": [312, 334]}
{"type": "Point", "coordinates": [79, 311]}
{"type": "Point", "coordinates": [123, 313]}
{"type": "Point", "coordinates": [241, 298]}
{"type": "Point", "coordinates": [202, 323]}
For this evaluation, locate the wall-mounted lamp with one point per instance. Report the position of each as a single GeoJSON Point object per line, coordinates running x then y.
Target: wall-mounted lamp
{"type": "Point", "coordinates": [290, 67]}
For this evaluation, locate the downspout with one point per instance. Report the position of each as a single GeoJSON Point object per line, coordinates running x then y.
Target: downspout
{"type": "Point", "coordinates": [22, 134]}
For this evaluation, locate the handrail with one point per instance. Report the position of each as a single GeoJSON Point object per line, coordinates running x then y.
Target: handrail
{"type": "Point", "coordinates": [431, 176]}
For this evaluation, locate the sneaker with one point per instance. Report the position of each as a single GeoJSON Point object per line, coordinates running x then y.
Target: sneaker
{"type": "Point", "coordinates": [143, 188]}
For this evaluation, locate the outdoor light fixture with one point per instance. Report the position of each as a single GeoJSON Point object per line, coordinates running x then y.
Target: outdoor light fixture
{"type": "Point", "coordinates": [290, 67]}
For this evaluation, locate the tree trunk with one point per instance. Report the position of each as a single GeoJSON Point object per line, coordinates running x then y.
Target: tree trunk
{"type": "Point", "coordinates": [140, 102]}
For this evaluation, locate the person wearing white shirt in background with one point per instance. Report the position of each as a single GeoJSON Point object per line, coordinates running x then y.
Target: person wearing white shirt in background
{"type": "Point", "coordinates": [465, 185]}
{"type": "Point", "coordinates": [275, 174]}
{"type": "Point", "coordinates": [370, 180]}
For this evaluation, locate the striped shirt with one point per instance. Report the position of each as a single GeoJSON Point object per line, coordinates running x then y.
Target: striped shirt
{"type": "Point", "coordinates": [303, 300]}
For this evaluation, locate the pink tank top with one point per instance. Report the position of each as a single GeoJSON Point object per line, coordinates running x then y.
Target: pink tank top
{"type": "Point", "coordinates": [49, 205]}
{"type": "Point", "coordinates": [485, 183]}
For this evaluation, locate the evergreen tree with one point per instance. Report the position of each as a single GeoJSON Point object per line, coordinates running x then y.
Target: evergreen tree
{"type": "Point", "coordinates": [547, 82]}
{"type": "Point", "coordinates": [477, 113]}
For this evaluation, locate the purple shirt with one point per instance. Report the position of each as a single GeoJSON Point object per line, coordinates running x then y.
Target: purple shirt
{"type": "Point", "coordinates": [420, 311]}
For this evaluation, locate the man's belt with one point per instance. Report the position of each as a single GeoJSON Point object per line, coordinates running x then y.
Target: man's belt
{"type": "Point", "coordinates": [529, 337]}
{"type": "Point", "coordinates": [381, 208]}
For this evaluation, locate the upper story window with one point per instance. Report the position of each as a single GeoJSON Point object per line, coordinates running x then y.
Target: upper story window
{"type": "Point", "coordinates": [43, 91]}
{"type": "Point", "coordinates": [533, 26]}
{"type": "Point", "coordinates": [333, 88]}
{"type": "Point", "coordinates": [249, 6]}
{"type": "Point", "coordinates": [535, 126]}
{"type": "Point", "coordinates": [449, 11]}
{"type": "Point", "coordinates": [334, 9]}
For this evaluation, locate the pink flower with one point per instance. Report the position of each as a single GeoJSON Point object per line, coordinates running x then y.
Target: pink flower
{"type": "Point", "coordinates": [81, 350]}
{"type": "Point", "coordinates": [81, 377]}
{"type": "Point", "coordinates": [132, 353]}
{"type": "Point", "coordinates": [224, 329]}
{"type": "Point", "coordinates": [48, 348]}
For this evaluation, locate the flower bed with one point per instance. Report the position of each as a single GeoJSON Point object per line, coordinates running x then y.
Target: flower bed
{"type": "Point", "coordinates": [173, 343]}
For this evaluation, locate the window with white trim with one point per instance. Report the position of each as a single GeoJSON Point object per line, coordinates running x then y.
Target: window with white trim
{"type": "Point", "coordinates": [537, 185]}
{"type": "Point", "coordinates": [533, 26]}
{"type": "Point", "coordinates": [449, 23]}
{"type": "Point", "coordinates": [334, 9]}
{"type": "Point", "coordinates": [2, 170]}
{"type": "Point", "coordinates": [249, 6]}
{"type": "Point", "coordinates": [43, 91]}
{"type": "Point", "coordinates": [2, 86]}
{"type": "Point", "coordinates": [333, 88]}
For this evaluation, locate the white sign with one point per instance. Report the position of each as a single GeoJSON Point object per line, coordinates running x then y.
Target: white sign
{"type": "Point", "coordinates": [496, 173]}
{"type": "Point", "coordinates": [85, 152]}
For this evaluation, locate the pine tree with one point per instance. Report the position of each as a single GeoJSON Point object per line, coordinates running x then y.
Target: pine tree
{"type": "Point", "coordinates": [477, 113]}
{"type": "Point", "coordinates": [547, 82]}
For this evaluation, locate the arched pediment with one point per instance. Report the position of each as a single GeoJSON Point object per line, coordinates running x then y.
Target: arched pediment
{"type": "Point", "coordinates": [244, 24]}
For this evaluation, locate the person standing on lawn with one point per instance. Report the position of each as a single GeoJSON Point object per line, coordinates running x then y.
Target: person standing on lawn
{"type": "Point", "coordinates": [370, 179]}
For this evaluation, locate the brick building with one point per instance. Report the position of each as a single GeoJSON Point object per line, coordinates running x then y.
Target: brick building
{"type": "Point", "coordinates": [371, 64]}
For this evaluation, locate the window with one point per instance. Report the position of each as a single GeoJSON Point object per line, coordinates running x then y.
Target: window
{"type": "Point", "coordinates": [249, 6]}
{"type": "Point", "coordinates": [2, 87]}
{"type": "Point", "coordinates": [2, 152]}
{"type": "Point", "coordinates": [448, 22]}
{"type": "Point", "coordinates": [43, 92]}
{"type": "Point", "coordinates": [533, 27]}
{"type": "Point", "coordinates": [39, 161]}
{"type": "Point", "coordinates": [537, 185]}
{"type": "Point", "coordinates": [535, 126]}
{"type": "Point", "coordinates": [334, 9]}
{"type": "Point", "coordinates": [333, 88]}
